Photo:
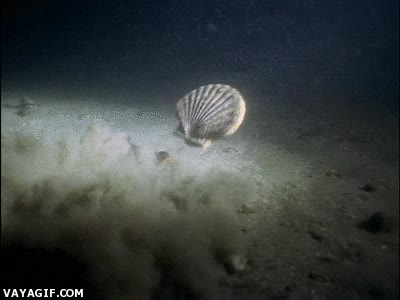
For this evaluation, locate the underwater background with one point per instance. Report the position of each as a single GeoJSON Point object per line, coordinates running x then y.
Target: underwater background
{"type": "Point", "coordinates": [99, 193]}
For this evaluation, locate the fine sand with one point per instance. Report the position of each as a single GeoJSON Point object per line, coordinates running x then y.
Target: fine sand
{"type": "Point", "coordinates": [279, 210]}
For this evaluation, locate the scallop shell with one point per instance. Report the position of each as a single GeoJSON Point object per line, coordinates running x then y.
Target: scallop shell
{"type": "Point", "coordinates": [209, 112]}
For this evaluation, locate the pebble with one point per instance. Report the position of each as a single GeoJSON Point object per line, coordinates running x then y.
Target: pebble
{"type": "Point", "coordinates": [245, 209]}
{"type": "Point", "coordinates": [374, 224]}
{"type": "Point", "coordinates": [333, 173]}
{"type": "Point", "coordinates": [368, 188]}
{"type": "Point", "coordinates": [328, 258]}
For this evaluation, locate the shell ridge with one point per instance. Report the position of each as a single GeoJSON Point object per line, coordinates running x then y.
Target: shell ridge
{"type": "Point", "coordinates": [213, 126]}
{"type": "Point", "coordinates": [205, 104]}
{"type": "Point", "coordinates": [209, 120]}
{"type": "Point", "coordinates": [181, 108]}
{"type": "Point", "coordinates": [239, 117]}
{"type": "Point", "coordinates": [202, 103]}
{"type": "Point", "coordinates": [198, 99]}
{"type": "Point", "coordinates": [189, 104]}
{"type": "Point", "coordinates": [191, 99]}
{"type": "Point", "coordinates": [211, 100]}
{"type": "Point", "coordinates": [218, 104]}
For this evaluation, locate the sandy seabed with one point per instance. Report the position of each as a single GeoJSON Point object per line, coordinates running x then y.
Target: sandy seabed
{"type": "Point", "coordinates": [295, 205]}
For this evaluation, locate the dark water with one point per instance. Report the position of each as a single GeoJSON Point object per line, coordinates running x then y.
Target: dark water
{"type": "Point", "coordinates": [296, 50]}
{"type": "Point", "coordinates": [341, 54]}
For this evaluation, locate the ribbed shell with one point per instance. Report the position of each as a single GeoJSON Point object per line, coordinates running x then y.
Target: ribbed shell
{"type": "Point", "coordinates": [210, 112]}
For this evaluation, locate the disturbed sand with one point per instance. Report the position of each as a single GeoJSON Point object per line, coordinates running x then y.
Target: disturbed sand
{"type": "Point", "coordinates": [308, 196]}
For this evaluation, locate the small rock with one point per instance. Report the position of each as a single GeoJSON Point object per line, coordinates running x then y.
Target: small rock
{"type": "Point", "coordinates": [351, 252]}
{"type": "Point", "coordinates": [315, 236]}
{"type": "Point", "coordinates": [328, 258]}
{"type": "Point", "coordinates": [315, 276]}
{"type": "Point", "coordinates": [333, 173]}
{"type": "Point", "coordinates": [22, 112]}
{"type": "Point", "coordinates": [312, 275]}
{"type": "Point", "coordinates": [163, 158]}
{"type": "Point", "coordinates": [228, 150]}
{"type": "Point", "coordinates": [245, 209]}
{"type": "Point", "coordinates": [374, 224]}
{"type": "Point", "coordinates": [236, 263]}
{"type": "Point", "coordinates": [292, 270]}
{"type": "Point", "coordinates": [25, 107]}
{"type": "Point", "coordinates": [368, 188]}
{"type": "Point", "coordinates": [345, 148]}
{"type": "Point", "coordinates": [27, 102]}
